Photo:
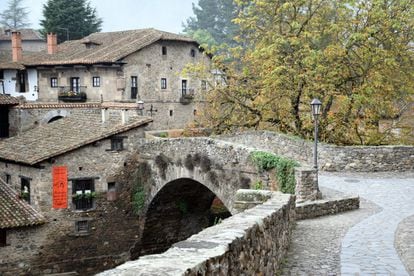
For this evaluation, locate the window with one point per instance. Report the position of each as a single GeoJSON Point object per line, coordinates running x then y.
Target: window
{"type": "Point", "coordinates": [192, 53]}
{"type": "Point", "coordinates": [7, 178]}
{"type": "Point", "coordinates": [164, 50]}
{"type": "Point", "coordinates": [25, 189]}
{"type": "Point", "coordinates": [75, 84]}
{"type": "Point", "coordinates": [3, 237]}
{"type": "Point", "coordinates": [163, 83]}
{"type": "Point", "coordinates": [171, 113]}
{"type": "Point", "coordinates": [82, 227]}
{"type": "Point", "coordinates": [117, 143]}
{"type": "Point", "coordinates": [83, 193]}
{"type": "Point", "coordinates": [184, 87]}
{"type": "Point", "coordinates": [96, 81]}
{"type": "Point", "coordinates": [53, 82]}
{"type": "Point", "coordinates": [134, 87]}
{"type": "Point", "coordinates": [195, 112]}
{"type": "Point", "coordinates": [203, 85]}
{"type": "Point", "coordinates": [111, 194]}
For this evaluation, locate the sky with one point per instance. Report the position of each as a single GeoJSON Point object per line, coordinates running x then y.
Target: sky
{"type": "Point", "coordinates": [118, 15]}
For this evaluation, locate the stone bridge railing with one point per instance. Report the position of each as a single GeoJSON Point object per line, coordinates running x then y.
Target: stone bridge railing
{"type": "Point", "coordinates": [253, 242]}
{"type": "Point", "coordinates": [331, 157]}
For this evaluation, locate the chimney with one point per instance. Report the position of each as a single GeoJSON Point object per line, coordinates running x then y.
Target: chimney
{"type": "Point", "coordinates": [51, 43]}
{"type": "Point", "coordinates": [16, 46]}
{"type": "Point", "coordinates": [105, 114]}
{"type": "Point", "coordinates": [124, 116]}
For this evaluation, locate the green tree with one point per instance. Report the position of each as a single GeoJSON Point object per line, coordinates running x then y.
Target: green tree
{"type": "Point", "coordinates": [213, 17]}
{"type": "Point", "coordinates": [70, 18]}
{"type": "Point", "coordinates": [15, 16]}
{"type": "Point", "coordinates": [355, 56]}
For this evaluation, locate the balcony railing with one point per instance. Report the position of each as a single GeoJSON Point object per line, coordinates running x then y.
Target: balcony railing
{"type": "Point", "coordinates": [187, 95]}
{"type": "Point", "coordinates": [72, 94]}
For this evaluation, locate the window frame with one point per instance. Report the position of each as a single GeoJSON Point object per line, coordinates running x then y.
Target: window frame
{"type": "Point", "coordinates": [117, 143]}
{"type": "Point", "coordinates": [163, 83]}
{"type": "Point", "coordinates": [134, 87]}
{"type": "Point", "coordinates": [54, 82]}
{"type": "Point", "coordinates": [25, 181]}
{"type": "Point", "coordinates": [83, 185]}
{"type": "Point", "coordinates": [96, 81]}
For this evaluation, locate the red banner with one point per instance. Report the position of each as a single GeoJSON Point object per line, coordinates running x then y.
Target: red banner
{"type": "Point", "coordinates": [60, 187]}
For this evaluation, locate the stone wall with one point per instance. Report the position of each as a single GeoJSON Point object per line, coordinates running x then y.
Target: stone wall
{"type": "Point", "coordinates": [330, 157]}
{"type": "Point", "coordinates": [253, 242]}
{"type": "Point", "coordinates": [56, 246]}
{"type": "Point", "coordinates": [317, 208]}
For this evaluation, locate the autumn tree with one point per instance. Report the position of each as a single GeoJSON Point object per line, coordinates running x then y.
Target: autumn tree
{"type": "Point", "coordinates": [355, 56]}
{"type": "Point", "coordinates": [15, 16]}
{"type": "Point", "coordinates": [212, 23]}
{"type": "Point", "coordinates": [72, 19]}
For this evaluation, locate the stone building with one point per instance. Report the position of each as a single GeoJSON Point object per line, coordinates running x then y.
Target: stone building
{"type": "Point", "coordinates": [6, 102]}
{"type": "Point", "coordinates": [121, 67]}
{"type": "Point", "coordinates": [64, 171]}
{"type": "Point", "coordinates": [32, 40]}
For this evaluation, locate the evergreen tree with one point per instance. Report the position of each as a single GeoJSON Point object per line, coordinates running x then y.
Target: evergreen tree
{"type": "Point", "coordinates": [15, 16]}
{"type": "Point", "coordinates": [215, 18]}
{"type": "Point", "coordinates": [70, 19]}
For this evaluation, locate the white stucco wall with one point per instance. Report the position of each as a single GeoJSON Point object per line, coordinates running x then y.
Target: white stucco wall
{"type": "Point", "coordinates": [10, 84]}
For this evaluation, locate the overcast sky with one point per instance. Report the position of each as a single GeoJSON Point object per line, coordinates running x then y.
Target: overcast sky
{"type": "Point", "coordinates": [117, 15]}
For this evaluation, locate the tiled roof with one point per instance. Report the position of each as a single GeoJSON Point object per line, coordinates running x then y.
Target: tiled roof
{"type": "Point", "coordinates": [58, 105]}
{"type": "Point", "coordinates": [27, 34]}
{"type": "Point", "coordinates": [8, 100]}
{"type": "Point", "coordinates": [64, 135]}
{"type": "Point", "coordinates": [108, 47]}
{"type": "Point", "coordinates": [15, 212]}
{"type": "Point", "coordinates": [6, 61]}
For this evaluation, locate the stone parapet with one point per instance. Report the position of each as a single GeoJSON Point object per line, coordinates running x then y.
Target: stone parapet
{"type": "Point", "coordinates": [325, 207]}
{"type": "Point", "coordinates": [249, 243]}
{"type": "Point", "coordinates": [330, 157]}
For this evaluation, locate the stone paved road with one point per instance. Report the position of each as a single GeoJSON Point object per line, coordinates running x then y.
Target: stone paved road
{"type": "Point", "coordinates": [368, 247]}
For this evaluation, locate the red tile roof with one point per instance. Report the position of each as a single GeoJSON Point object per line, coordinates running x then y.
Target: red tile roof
{"type": "Point", "coordinates": [8, 100]}
{"type": "Point", "coordinates": [64, 135]}
{"type": "Point", "coordinates": [108, 47]}
{"type": "Point", "coordinates": [15, 212]}
{"type": "Point", "coordinates": [27, 34]}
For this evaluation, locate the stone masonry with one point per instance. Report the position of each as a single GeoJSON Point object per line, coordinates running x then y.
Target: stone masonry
{"type": "Point", "coordinates": [331, 157]}
{"type": "Point", "coordinates": [253, 242]}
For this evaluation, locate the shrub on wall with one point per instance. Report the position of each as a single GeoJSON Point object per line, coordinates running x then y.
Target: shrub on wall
{"type": "Point", "coordinates": [284, 167]}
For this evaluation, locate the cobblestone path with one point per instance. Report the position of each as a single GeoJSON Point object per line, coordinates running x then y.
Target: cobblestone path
{"type": "Point", "coordinates": [360, 242]}
{"type": "Point", "coordinates": [368, 247]}
{"type": "Point", "coordinates": [316, 243]}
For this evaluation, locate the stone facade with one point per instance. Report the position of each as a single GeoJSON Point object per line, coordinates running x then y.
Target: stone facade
{"type": "Point", "coordinates": [55, 246]}
{"type": "Point", "coordinates": [330, 157]}
{"type": "Point", "coordinates": [253, 242]}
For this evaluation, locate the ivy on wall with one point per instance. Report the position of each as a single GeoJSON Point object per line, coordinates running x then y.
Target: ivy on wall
{"type": "Point", "coordinates": [284, 167]}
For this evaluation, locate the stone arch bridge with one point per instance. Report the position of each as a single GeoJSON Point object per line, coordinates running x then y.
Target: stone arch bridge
{"type": "Point", "coordinates": [175, 183]}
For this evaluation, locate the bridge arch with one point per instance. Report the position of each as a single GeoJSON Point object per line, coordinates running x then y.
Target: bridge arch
{"type": "Point", "coordinates": [181, 208]}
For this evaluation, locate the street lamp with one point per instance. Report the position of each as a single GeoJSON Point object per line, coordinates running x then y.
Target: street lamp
{"type": "Point", "coordinates": [316, 111]}
{"type": "Point", "coordinates": [140, 107]}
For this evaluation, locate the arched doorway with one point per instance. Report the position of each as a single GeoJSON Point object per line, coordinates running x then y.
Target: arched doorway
{"type": "Point", "coordinates": [183, 207]}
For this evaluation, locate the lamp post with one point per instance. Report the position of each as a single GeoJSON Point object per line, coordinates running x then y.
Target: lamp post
{"type": "Point", "coordinates": [140, 107]}
{"type": "Point", "coordinates": [316, 111]}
